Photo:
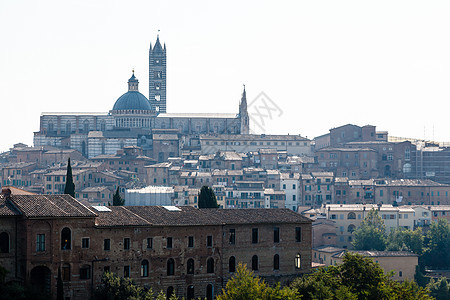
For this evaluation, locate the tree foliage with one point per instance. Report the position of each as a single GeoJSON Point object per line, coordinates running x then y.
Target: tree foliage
{"type": "Point", "coordinates": [439, 289]}
{"type": "Point", "coordinates": [357, 278]}
{"type": "Point", "coordinates": [69, 189]}
{"type": "Point", "coordinates": [207, 198]}
{"type": "Point", "coordinates": [117, 199]}
{"type": "Point", "coordinates": [244, 285]}
{"type": "Point", "coordinates": [437, 241]}
{"type": "Point", "coordinates": [114, 287]}
{"type": "Point", "coordinates": [406, 240]}
{"type": "Point", "coordinates": [371, 235]}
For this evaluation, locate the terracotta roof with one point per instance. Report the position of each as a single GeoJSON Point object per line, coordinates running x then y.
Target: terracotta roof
{"type": "Point", "coordinates": [378, 253]}
{"type": "Point", "coordinates": [189, 216]}
{"type": "Point", "coordinates": [6, 208]}
{"type": "Point", "coordinates": [38, 206]}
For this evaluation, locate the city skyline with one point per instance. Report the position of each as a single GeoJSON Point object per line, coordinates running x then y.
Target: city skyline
{"type": "Point", "coordinates": [384, 64]}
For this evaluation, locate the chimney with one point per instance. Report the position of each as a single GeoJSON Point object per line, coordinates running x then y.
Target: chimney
{"type": "Point", "coordinates": [7, 193]}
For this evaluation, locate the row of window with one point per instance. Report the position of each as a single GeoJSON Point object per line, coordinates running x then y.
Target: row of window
{"type": "Point", "coordinates": [66, 240]}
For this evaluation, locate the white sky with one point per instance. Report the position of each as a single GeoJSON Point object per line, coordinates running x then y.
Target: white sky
{"type": "Point", "coordinates": [323, 63]}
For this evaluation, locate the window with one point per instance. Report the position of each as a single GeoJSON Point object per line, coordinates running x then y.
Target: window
{"type": "Point", "coordinates": [190, 266]}
{"type": "Point", "coordinates": [85, 243]}
{"type": "Point", "coordinates": [40, 243]}
{"type": "Point", "coordinates": [170, 267]}
{"type": "Point", "coordinates": [276, 235]}
{"type": "Point", "coordinates": [255, 263]}
{"type": "Point", "coordinates": [351, 228]}
{"type": "Point", "coordinates": [298, 261]}
{"type": "Point", "coordinates": [232, 264]}
{"type": "Point", "coordinates": [209, 241]}
{"type": "Point", "coordinates": [126, 271]}
{"type": "Point", "coordinates": [400, 274]}
{"type": "Point", "coordinates": [144, 268]}
{"type": "Point", "coordinates": [66, 239]}
{"type": "Point", "coordinates": [276, 262]}
{"type": "Point", "coordinates": [232, 236]}
{"type": "Point", "coordinates": [85, 272]}
{"type": "Point", "coordinates": [126, 244]}
{"type": "Point", "coordinates": [254, 235]}
{"type": "Point", "coordinates": [169, 243]}
{"type": "Point", "coordinates": [149, 243]}
{"type": "Point", "coordinates": [210, 265]}
{"type": "Point", "coordinates": [107, 244]}
{"type": "Point", "coordinates": [66, 272]}
{"type": "Point", "coordinates": [191, 242]}
{"type": "Point", "coordinates": [298, 234]}
{"type": "Point", "coordinates": [351, 216]}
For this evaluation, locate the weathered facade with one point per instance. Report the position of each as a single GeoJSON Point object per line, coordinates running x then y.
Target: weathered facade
{"type": "Point", "coordinates": [191, 252]}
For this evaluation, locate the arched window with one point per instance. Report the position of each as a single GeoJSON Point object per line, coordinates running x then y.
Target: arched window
{"type": "Point", "coordinates": [190, 266]}
{"type": "Point", "coordinates": [170, 292]}
{"type": "Point", "coordinates": [298, 261]}
{"type": "Point", "coordinates": [170, 267]}
{"type": "Point", "coordinates": [255, 263]}
{"type": "Point", "coordinates": [144, 268]}
{"type": "Point", "coordinates": [276, 262]}
{"type": "Point", "coordinates": [66, 239]}
{"type": "Point", "coordinates": [86, 126]}
{"type": "Point", "coordinates": [351, 216]}
{"type": "Point", "coordinates": [232, 264]}
{"type": "Point", "coordinates": [210, 265]}
{"type": "Point", "coordinates": [68, 127]}
{"type": "Point", "coordinates": [351, 228]}
{"type": "Point", "coordinates": [4, 242]}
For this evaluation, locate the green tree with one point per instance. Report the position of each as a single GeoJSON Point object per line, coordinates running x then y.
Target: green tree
{"type": "Point", "coordinates": [69, 189]}
{"type": "Point", "coordinates": [117, 199]}
{"type": "Point", "coordinates": [244, 285]}
{"type": "Point", "coordinates": [437, 250]}
{"type": "Point", "coordinates": [405, 240]}
{"type": "Point", "coordinates": [439, 289]}
{"type": "Point", "coordinates": [357, 277]}
{"type": "Point", "coordinates": [207, 198]}
{"type": "Point", "coordinates": [114, 287]}
{"type": "Point", "coordinates": [371, 235]}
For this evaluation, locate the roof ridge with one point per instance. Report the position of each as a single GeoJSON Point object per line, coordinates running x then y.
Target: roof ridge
{"type": "Point", "coordinates": [145, 220]}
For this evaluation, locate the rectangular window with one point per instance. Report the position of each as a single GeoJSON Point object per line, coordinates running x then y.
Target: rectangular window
{"type": "Point", "coordinates": [85, 243]}
{"type": "Point", "coordinates": [232, 236]}
{"type": "Point", "coordinates": [40, 243]}
{"type": "Point", "coordinates": [149, 243]}
{"type": "Point", "coordinates": [85, 272]}
{"type": "Point", "coordinates": [276, 235]}
{"type": "Point", "coordinates": [126, 271]}
{"type": "Point", "coordinates": [191, 242]}
{"type": "Point", "coordinates": [169, 243]}
{"type": "Point", "coordinates": [107, 244]}
{"type": "Point", "coordinates": [126, 243]}
{"type": "Point", "coordinates": [254, 235]}
{"type": "Point", "coordinates": [298, 234]}
{"type": "Point", "coordinates": [209, 241]}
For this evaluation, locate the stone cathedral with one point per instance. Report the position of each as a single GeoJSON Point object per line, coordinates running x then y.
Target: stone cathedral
{"type": "Point", "coordinates": [135, 120]}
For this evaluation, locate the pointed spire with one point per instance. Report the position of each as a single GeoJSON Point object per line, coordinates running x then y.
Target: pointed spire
{"type": "Point", "coordinates": [158, 47]}
{"type": "Point", "coordinates": [244, 97]}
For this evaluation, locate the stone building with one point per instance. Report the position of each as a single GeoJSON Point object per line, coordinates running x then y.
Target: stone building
{"type": "Point", "coordinates": [182, 250]}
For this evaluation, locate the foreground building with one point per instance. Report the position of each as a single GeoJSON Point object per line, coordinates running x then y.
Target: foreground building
{"type": "Point", "coordinates": [182, 250]}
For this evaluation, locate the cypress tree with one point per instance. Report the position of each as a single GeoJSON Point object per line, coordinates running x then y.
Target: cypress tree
{"type": "Point", "coordinates": [59, 286]}
{"type": "Point", "coordinates": [69, 189]}
{"type": "Point", "coordinates": [207, 198]}
{"type": "Point", "coordinates": [117, 199]}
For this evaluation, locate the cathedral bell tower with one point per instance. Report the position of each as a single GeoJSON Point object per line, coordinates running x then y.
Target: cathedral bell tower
{"type": "Point", "coordinates": [157, 76]}
{"type": "Point", "coordinates": [243, 114]}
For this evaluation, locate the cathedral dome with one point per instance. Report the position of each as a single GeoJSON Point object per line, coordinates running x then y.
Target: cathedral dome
{"type": "Point", "coordinates": [132, 99]}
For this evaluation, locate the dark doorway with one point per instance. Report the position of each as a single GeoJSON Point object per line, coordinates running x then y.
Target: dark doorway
{"type": "Point", "coordinates": [190, 292]}
{"type": "Point", "coordinates": [40, 279]}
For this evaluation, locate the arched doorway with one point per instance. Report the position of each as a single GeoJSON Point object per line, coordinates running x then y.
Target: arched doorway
{"type": "Point", "coordinates": [40, 279]}
{"type": "Point", "coordinates": [209, 292]}
{"type": "Point", "coordinates": [170, 292]}
{"type": "Point", "coordinates": [190, 292]}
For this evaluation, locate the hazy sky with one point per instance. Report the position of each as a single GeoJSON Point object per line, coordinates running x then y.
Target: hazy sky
{"type": "Point", "coordinates": [322, 63]}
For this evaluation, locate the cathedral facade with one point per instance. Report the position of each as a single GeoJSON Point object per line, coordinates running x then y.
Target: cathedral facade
{"type": "Point", "coordinates": [134, 120]}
